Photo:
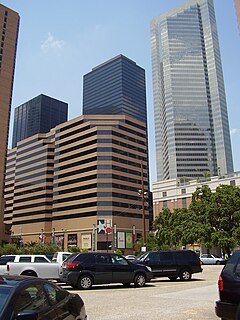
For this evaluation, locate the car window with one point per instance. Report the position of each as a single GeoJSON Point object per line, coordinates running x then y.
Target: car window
{"type": "Point", "coordinates": [4, 294]}
{"type": "Point", "coordinates": [65, 256]}
{"type": "Point", "coordinates": [31, 298]}
{"type": "Point", "coordinates": [5, 259]}
{"type": "Point", "coordinates": [166, 257]}
{"type": "Point", "coordinates": [237, 268]}
{"type": "Point", "coordinates": [41, 259]}
{"type": "Point", "coordinates": [54, 294]}
{"type": "Point", "coordinates": [204, 256]}
{"type": "Point", "coordinates": [154, 257]}
{"type": "Point", "coordinates": [102, 259]}
{"type": "Point", "coordinates": [24, 259]}
{"type": "Point", "coordinates": [119, 260]}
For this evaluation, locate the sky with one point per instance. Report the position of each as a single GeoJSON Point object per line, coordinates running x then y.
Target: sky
{"type": "Point", "coordinates": [60, 41]}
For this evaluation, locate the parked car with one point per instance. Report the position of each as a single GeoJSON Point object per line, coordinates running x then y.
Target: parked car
{"type": "Point", "coordinates": [82, 270]}
{"type": "Point", "coordinates": [211, 259]}
{"type": "Point", "coordinates": [4, 259]}
{"type": "Point", "coordinates": [172, 263]}
{"type": "Point", "coordinates": [228, 305]}
{"type": "Point", "coordinates": [30, 298]}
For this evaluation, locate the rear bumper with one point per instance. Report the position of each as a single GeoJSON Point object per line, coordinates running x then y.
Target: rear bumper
{"type": "Point", "coordinates": [226, 310]}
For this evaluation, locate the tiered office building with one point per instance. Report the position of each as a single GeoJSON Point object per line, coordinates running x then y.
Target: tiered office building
{"type": "Point", "coordinates": [70, 184]}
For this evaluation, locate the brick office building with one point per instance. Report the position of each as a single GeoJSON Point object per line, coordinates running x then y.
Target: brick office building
{"type": "Point", "coordinates": [80, 179]}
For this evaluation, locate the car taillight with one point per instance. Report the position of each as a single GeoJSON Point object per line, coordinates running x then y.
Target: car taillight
{"type": "Point", "coordinates": [8, 268]}
{"type": "Point", "coordinates": [220, 283]}
{"type": "Point", "coordinates": [71, 265]}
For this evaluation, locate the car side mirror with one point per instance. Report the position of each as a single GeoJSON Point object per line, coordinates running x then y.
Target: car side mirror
{"type": "Point", "coordinates": [147, 259]}
{"type": "Point", "coordinates": [27, 315]}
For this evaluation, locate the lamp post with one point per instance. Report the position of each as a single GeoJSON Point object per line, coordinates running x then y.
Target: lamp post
{"type": "Point", "coordinates": [143, 194]}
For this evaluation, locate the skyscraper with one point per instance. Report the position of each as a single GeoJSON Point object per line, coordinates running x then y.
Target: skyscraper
{"type": "Point", "coordinates": [38, 115]}
{"type": "Point", "coordinates": [191, 120]}
{"type": "Point", "coordinates": [9, 25]}
{"type": "Point", "coordinates": [116, 86]}
{"type": "Point", "coordinates": [237, 6]}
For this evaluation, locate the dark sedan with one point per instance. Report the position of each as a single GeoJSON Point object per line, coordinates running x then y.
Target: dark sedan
{"type": "Point", "coordinates": [30, 298]}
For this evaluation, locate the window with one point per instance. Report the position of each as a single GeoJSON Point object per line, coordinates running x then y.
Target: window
{"type": "Point", "coordinates": [183, 191]}
{"type": "Point", "coordinates": [184, 202]}
{"type": "Point", "coordinates": [164, 194]}
{"type": "Point", "coordinates": [30, 298]}
{"type": "Point", "coordinates": [154, 257]}
{"type": "Point", "coordinates": [165, 204]}
{"type": "Point", "coordinates": [25, 259]}
{"type": "Point", "coordinates": [55, 295]}
{"type": "Point", "coordinates": [102, 259]}
{"type": "Point", "coordinates": [40, 259]}
{"type": "Point", "coordinates": [232, 183]}
{"type": "Point", "coordinates": [118, 260]}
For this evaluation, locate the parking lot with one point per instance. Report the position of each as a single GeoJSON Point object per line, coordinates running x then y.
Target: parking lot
{"type": "Point", "coordinates": [160, 299]}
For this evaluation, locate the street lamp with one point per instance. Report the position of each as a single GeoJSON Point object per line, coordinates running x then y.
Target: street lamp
{"type": "Point", "coordinates": [143, 194]}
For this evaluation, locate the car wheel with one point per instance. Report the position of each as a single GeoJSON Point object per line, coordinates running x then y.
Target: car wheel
{"type": "Point", "coordinates": [140, 280]}
{"type": "Point", "coordinates": [172, 278]}
{"type": "Point", "coordinates": [185, 275]}
{"type": "Point", "coordinates": [85, 282]}
{"type": "Point", "coordinates": [218, 262]}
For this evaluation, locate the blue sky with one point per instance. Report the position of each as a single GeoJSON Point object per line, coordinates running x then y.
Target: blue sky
{"type": "Point", "coordinates": [60, 41]}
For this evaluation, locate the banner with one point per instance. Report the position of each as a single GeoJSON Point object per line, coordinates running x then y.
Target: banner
{"type": "Point", "coordinates": [121, 240]}
{"type": "Point", "coordinates": [86, 241]}
{"type": "Point", "coordinates": [129, 240]}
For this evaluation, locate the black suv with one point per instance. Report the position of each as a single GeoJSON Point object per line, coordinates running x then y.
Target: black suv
{"type": "Point", "coordinates": [228, 306]}
{"type": "Point", "coordinates": [172, 263]}
{"type": "Point", "coordinates": [82, 270]}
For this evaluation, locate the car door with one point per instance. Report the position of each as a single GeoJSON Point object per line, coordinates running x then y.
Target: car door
{"type": "Point", "coordinates": [152, 259]}
{"type": "Point", "coordinates": [32, 297]}
{"type": "Point", "coordinates": [168, 265]}
{"type": "Point", "coordinates": [121, 269]}
{"type": "Point", "coordinates": [102, 268]}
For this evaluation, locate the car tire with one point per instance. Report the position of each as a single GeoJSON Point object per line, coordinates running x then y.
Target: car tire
{"type": "Point", "coordinates": [218, 262]}
{"type": "Point", "coordinates": [85, 282]}
{"type": "Point", "coordinates": [140, 280]}
{"type": "Point", "coordinates": [185, 275]}
{"type": "Point", "coordinates": [172, 278]}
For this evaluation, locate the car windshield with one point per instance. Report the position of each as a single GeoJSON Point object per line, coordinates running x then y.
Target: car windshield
{"type": "Point", "coordinates": [4, 294]}
{"type": "Point", "coordinates": [142, 256]}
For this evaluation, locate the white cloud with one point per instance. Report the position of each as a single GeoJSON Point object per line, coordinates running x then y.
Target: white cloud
{"type": "Point", "coordinates": [235, 131]}
{"type": "Point", "coordinates": [52, 44]}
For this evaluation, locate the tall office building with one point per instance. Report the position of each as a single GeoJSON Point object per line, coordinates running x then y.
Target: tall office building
{"type": "Point", "coordinates": [9, 25]}
{"type": "Point", "coordinates": [237, 6]}
{"type": "Point", "coordinates": [116, 86]}
{"type": "Point", "coordinates": [76, 180]}
{"type": "Point", "coordinates": [38, 115]}
{"type": "Point", "coordinates": [191, 120]}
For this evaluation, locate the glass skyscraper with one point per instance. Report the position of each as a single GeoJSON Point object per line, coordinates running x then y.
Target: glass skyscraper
{"type": "Point", "coordinates": [116, 87]}
{"type": "Point", "coordinates": [191, 120]}
{"type": "Point", "coordinates": [38, 115]}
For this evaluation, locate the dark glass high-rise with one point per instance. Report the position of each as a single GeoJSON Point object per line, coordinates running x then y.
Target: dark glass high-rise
{"type": "Point", "coordinates": [38, 115]}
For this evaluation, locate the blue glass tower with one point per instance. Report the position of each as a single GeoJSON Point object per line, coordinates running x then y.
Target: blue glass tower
{"type": "Point", "coordinates": [190, 110]}
{"type": "Point", "coordinates": [116, 87]}
{"type": "Point", "coordinates": [38, 115]}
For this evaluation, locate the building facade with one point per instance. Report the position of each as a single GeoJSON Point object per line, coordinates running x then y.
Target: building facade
{"type": "Point", "coordinates": [237, 7]}
{"type": "Point", "coordinates": [176, 193]}
{"type": "Point", "coordinates": [116, 86]}
{"type": "Point", "coordinates": [79, 181]}
{"type": "Point", "coordinates": [38, 115]}
{"type": "Point", "coordinates": [9, 25]}
{"type": "Point", "coordinates": [191, 120]}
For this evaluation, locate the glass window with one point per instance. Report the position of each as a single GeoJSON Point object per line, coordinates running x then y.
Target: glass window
{"type": "Point", "coordinates": [116, 260]}
{"type": "Point", "coordinates": [4, 294]}
{"type": "Point", "coordinates": [154, 257]}
{"type": "Point", "coordinates": [55, 295]}
{"type": "Point", "coordinates": [41, 259]}
{"type": "Point", "coordinates": [102, 259]}
{"type": "Point", "coordinates": [25, 259]}
{"type": "Point", "coordinates": [30, 298]}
